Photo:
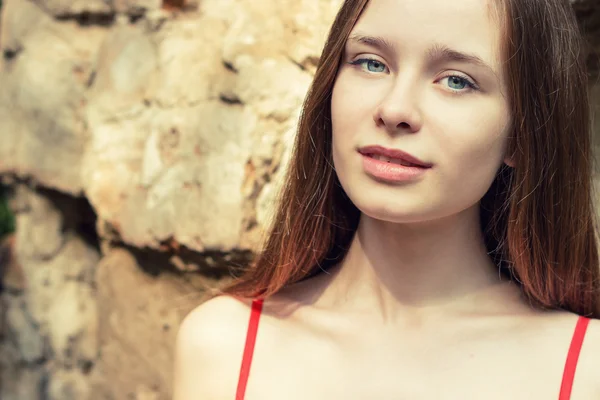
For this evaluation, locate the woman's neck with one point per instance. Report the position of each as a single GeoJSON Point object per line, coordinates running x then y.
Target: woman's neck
{"type": "Point", "coordinates": [396, 269]}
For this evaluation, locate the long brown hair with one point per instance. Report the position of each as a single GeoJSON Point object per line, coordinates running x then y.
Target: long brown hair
{"type": "Point", "coordinates": [538, 218]}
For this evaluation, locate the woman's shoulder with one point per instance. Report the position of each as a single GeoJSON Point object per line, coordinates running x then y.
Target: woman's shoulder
{"type": "Point", "coordinates": [588, 367]}
{"type": "Point", "coordinates": [583, 343]}
{"type": "Point", "coordinates": [209, 347]}
{"type": "Point", "coordinates": [214, 321]}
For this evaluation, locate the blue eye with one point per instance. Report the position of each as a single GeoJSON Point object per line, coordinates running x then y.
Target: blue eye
{"type": "Point", "coordinates": [459, 83]}
{"type": "Point", "coordinates": [456, 82]}
{"type": "Point", "coordinates": [372, 65]}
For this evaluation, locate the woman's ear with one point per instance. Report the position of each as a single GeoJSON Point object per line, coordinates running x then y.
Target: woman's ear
{"type": "Point", "coordinates": [510, 161]}
{"type": "Point", "coordinates": [509, 158]}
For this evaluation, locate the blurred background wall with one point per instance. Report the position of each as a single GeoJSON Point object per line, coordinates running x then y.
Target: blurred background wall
{"type": "Point", "coordinates": [142, 143]}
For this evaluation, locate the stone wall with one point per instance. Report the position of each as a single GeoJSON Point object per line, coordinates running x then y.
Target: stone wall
{"type": "Point", "coordinates": [144, 141]}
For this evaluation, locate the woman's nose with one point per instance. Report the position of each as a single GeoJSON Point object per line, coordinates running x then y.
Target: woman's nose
{"type": "Point", "coordinates": [398, 111]}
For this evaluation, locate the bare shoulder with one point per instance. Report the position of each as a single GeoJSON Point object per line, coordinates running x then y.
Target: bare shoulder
{"type": "Point", "coordinates": [208, 349]}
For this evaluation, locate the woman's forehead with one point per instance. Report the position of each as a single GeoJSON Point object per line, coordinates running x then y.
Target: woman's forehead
{"type": "Point", "coordinates": [473, 26]}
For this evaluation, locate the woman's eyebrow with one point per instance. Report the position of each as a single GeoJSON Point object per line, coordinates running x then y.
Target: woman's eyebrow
{"type": "Point", "coordinates": [376, 42]}
{"type": "Point", "coordinates": [441, 53]}
{"type": "Point", "coordinates": [436, 54]}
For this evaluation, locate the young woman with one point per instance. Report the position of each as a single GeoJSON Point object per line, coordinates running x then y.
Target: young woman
{"type": "Point", "coordinates": [436, 237]}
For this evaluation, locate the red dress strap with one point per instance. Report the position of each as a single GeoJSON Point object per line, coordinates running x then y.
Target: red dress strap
{"type": "Point", "coordinates": [572, 357]}
{"type": "Point", "coordinates": [257, 305]}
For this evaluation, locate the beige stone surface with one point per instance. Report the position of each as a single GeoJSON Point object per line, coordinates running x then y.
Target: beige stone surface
{"type": "Point", "coordinates": [136, 6]}
{"type": "Point", "coordinates": [50, 328]}
{"type": "Point", "coordinates": [43, 98]}
{"type": "Point", "coordinates": [136, 333]}
{"type": "Point", "coordinates": [189, 146]}
{"type": "Point", "coordinates": [161, 123]}
{"type": "Point", "coordinates": [145, 140]}
{"type": "Point", "coordinates": [62, 8]}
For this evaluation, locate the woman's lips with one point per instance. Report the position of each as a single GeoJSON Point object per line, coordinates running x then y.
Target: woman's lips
{"type": "Point", "coordinates": [394, 154]}
{"type": "Point", "coordinates": [392, 171]}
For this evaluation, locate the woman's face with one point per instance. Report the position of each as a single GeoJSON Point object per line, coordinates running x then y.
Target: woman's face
{"type": "Point", "coordinates": [424, 77]}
